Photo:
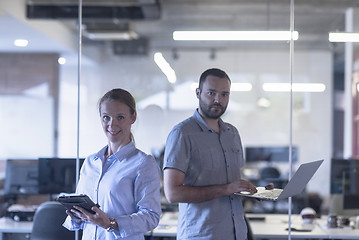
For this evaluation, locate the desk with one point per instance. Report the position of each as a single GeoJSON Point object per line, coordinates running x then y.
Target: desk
{"type": "Point", "coordinates": [10, 227]}
{"type": "Point", "coordinates": [275, 224]}
{"type": "Point", "coordinates": [167, 226]}
{"type": "Point", "coordinates": [341, 233]}
{"type": "Point", "coordinates": [273, 227]}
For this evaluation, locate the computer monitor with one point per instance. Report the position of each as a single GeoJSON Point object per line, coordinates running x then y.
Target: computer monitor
{"type": "Point", "coordinates": [57, 175]}
{"type": "Point", "coordinates": [21, 177]}
{"type": "Point", "coordinates": [351, 201]}
{"type": "Point", "coordinates": [344, 176]}
{"type": "Point", "coordinates": [273, 154]}
{"type": "Point", "coordinates": [344, 186]}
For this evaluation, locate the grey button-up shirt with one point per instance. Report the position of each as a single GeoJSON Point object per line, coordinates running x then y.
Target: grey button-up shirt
{"type": "Point", "coordinates": [207, 158]}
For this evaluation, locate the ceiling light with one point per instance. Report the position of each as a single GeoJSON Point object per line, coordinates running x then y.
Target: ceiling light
{"type": "Point", "coordinates": [296, 87]}
{"type": "Point", "coordinates": [343, 37]}
{"type": "Point", "coordinates": [235, 87]}
{"type": "Point", "coordinates": [234, 35]}
{"type": "Point", "coordinates": [123, 35]}
{"type": "Point", "coordinates": [241, 87]}
{"type": "Point", "coordinates": [21, 42]}
{"type": "Point", "coordinates": [61, 60]}
{"type": "Point", "coordinates": [263, 102]}
{"type": "Point", "coordinates": [165, 67]}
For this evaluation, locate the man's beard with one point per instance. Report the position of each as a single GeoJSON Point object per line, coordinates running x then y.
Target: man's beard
{"type": "Point", "coordinates": [210, 113]}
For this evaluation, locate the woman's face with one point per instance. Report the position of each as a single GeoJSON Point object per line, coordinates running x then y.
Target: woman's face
{"type": "Point", "coordinates": [116, 121]}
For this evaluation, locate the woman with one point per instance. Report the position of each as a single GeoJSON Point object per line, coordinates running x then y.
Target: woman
{"type": "Point", "coordinates": [124, 181]}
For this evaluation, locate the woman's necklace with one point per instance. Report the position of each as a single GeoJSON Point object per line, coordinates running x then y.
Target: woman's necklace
{"type": "Point", "coordinates": [107, 153]}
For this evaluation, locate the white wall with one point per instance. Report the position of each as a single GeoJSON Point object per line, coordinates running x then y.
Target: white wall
{"type": "Point", "coordinates": [25, 126]}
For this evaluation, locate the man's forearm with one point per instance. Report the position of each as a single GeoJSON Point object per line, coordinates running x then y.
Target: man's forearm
{"type": "Point", "coordinates": [191, 194]}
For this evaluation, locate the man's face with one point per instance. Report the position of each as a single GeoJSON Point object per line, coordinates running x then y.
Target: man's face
{"type": "Point", "coordinates": [213, 97]}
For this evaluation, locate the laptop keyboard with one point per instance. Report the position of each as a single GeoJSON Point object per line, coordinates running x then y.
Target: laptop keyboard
{"type": "Point", "coordinates": [269, 193]}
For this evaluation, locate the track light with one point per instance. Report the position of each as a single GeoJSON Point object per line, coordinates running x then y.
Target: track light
{"type": "Point", "coordinates": [165, 67]}
{"type": "Point", "coordinates": [343, 37]}
{"type": "Point", "coordinates": [235, 35]}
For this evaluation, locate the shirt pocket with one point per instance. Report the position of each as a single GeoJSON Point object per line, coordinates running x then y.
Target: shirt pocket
{"type": "Point", "coordinates": [236, 157]}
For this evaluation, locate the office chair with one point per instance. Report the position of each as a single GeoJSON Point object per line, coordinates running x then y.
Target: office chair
{"type": "Point", "coordinates": [48, 220]}
{"type": "Point", "coordinates": [270, 174]}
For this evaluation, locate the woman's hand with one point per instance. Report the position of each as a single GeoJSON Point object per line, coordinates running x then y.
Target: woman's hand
{"type": "Point", "coordinates": [99, 217]}
{"type": "Point", "coordinates": [73, 217]}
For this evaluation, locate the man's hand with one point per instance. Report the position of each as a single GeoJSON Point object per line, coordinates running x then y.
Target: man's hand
{"type": "Point", "coordinates": [241, 186]}
{"type": "Point", "coordinates": [269, 186]}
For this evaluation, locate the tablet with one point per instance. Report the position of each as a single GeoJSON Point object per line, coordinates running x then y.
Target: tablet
{"type": "Point", "coordinates": [81, 200]}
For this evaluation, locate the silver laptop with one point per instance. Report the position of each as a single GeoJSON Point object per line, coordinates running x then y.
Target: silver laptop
{"type": "Point", "coordinates": [295, 186]}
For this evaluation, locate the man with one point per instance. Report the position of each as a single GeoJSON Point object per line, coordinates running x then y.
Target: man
{"type": "Point", "coordinates": [202, 162]}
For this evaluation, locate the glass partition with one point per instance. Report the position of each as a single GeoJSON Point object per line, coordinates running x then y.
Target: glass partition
{"type": "Point", "coordinates": [39, 82]}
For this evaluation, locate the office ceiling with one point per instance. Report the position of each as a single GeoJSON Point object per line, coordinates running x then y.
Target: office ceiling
{"type": "Point", "coordinates": [52, 25]}
{"type": "Point", "coordinates": [155, 20]}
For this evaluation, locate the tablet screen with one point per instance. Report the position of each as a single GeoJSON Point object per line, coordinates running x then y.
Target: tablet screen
{"type": "Point", "coordinates": [81, 200]}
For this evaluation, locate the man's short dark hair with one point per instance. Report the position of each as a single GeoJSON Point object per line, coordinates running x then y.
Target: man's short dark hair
{"type": "Point", "coordinates": [212, 72]}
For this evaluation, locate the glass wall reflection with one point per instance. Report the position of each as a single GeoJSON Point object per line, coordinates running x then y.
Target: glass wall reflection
{"type": "Point", "coordinates": [39, 101]}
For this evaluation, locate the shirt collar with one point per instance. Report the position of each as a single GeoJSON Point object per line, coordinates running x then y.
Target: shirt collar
{"type": "Point", "coordinates": [204, 126]}
{"type": "Point", "coordinates": [120, 155]}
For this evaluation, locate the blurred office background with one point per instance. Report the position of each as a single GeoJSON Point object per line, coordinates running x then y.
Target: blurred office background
{"type": "Point", "coordinates": [39, 82]}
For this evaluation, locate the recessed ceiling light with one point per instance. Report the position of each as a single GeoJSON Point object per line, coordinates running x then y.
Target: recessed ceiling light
{"type": "Point", "coordinates": [21, 42]}
{"type": "Point", "coordinates": [61, 60]}
{"type": "Point", "coordinates": [263, 102]}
